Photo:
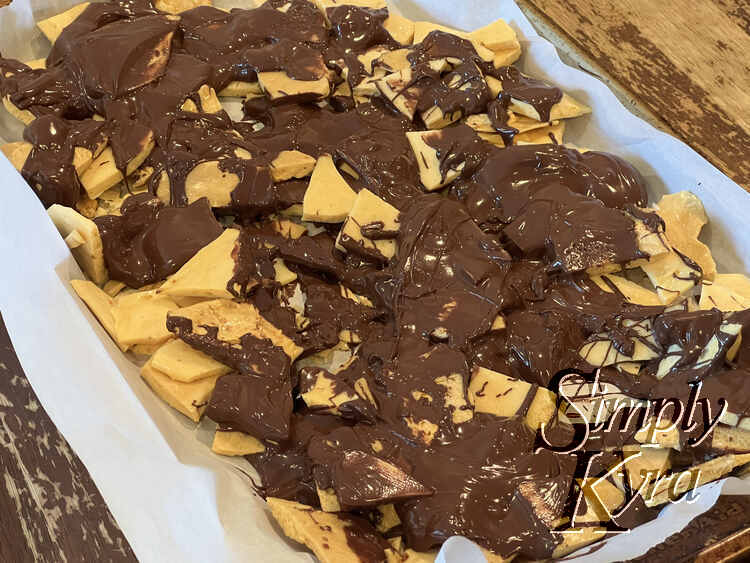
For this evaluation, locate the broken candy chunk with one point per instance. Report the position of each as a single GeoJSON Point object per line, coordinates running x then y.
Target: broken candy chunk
{"type": "Point", "coordinates": [217, 327]}
{"type": "Point", "coordinates": [363, 480]}
{"type": "Point", "coordinates": [257, 404]}
{"type": "Point", "coordinates": [188, 398]}
{"type": "Point", "coordinates": [183, 363]}
{"type": "Point", "coordinates": [326, 534]}
{"type": "Point", "coordinates": [328, 198]}
{"type": "Point", "coordinates": [494, 393]}
{"type": "Point", "coordinates": [326, 392]}
{"type": "Point", "coordinates": [370, 228]}
{"type": "Point", "coordinates": [279, 85]}
{"type": "Point", "coordinates": [209, 272]}
{"type": "Point", "coordinates": [149, 241]}
{"type": "Point", "coordinates": [140, 317]}
{"type": "Point", "coordinates": [89, 253]}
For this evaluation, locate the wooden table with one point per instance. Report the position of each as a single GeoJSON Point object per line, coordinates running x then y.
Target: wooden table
{"type": "Point", "coordinates": [682, 65]}
{"type": "Point", "coordinates": [50, 509]}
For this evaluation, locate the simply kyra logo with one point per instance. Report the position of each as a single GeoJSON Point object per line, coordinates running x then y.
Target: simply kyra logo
{"type": "Point", "coordinates": [595, 420]}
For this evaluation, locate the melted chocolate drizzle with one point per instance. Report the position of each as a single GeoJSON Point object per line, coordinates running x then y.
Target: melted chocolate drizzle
{"type": "Point", "coordinates": [149, 241]}
{"type": "Point", "coordinates": [536, 93]}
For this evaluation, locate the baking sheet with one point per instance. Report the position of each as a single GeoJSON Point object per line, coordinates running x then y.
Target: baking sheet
{"type": "Point", "coordinates": [173, 499]}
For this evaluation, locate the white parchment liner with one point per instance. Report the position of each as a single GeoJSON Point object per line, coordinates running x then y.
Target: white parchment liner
{"type": "Point", "coordinates": [174, 499]}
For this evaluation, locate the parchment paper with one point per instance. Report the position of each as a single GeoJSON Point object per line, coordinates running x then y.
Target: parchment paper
{"type": "Point", "coordinates": [174, 499]}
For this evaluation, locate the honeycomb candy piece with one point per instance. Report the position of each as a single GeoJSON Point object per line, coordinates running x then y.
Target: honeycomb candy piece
{"type": "Point", "coordinates": [645, 464]}
{"type": "Point", "coordinates": [672, 275]}
{"type": "Point", "coordinates": [631, 291]}
{"type": "Point", "coordinates": [208, 180]}
{"type": "Point", "coordinates": [323, 392]}
{"type": "Point", "coordinates": [181, 362]}
{"type": "Point", "coordinates": [239, 89]}
{"type": "Point", "coordinates": [722, 345]}
{"type": "Point", "coordinates": [17, 153]}
{"type": "Point", "coordinates": [466, 81]}
{"type": "Point", "coordinates": [370, 227]}
{"type": "Point", "coordinates": [208, 273]}
{"type": "Point", "coordinates": [291, 164]}
{"type": "Point", "coordinates": [328, 198]}
{"type": "Point", "coordinates": [232, 321]}
{"type": "Point", "coordinates": [141, 317]}
{"type": "Point", "coordinates": [209, 101]}
{"type": "Point", "coordinates": [501, 39]}
{"type": "Point", "coordinates": [398, 89]}
{"type": "Point", "coordinates": [726, 292]}
{"type": "Point", "coordinates": [481, 123]}
{"type": "Point", "coordinates": [685, 217]}
{"type": "Point", "coordinates": [496, 36]}
{"type": "Point", "coordinates": [601, 351]}
{"type": "Point", "coordinates": [179, 6]}
{"type": "Point", "coordinates": [278, 85]}
{"type": "Point", "coordinates": [689, 261]}
{"type": "Point", "coordinates": [370, 56]}
{"type": "Point", "coordinates": [423, 28]}
{"type": "Point", "coordinates": [576, 538]}
{"type": "Point", "coordinates": [734, 440]}
{"type": "Point", "coordinates": [288, 229]}
{"type": "Point", "coordinates": [232, 443]}
{"type": "Point", "coordinates": [567, 108]}
{"type": "Point", "coordinates": [23, 115]}
{"type": "Point", "coordinates": [329, 502]}
{"type": "Point", "coordinates": [666, 435]}
{"type": "Point", "coordinates": [391, 61]}
{"type": "Point", "coordinates": [103, 173]}
{"type": "Point", "coordinates": [282, 274]}
{"type": "Point", "coordinates": [52, 27]}
{"type": "Point", "coordinates": [188, 398]}
{"type": "Point", "coordinates": [89, 253]}
{"type": "Point", "coordinates": [387, 518]}
{"type": "Point", "coordinates": [400, 28]}
{"type": "Point", "coordinates": [423, 429]}
{"type": "Point", "coordinates": [455, 397]}
{"type": "Point", "coordinates": [325, 533]}
{"type": "Point", "coordinates": [430, 173]}
{"type": "Point", "coordinates": [667, 490]}
{"type": "Point", "coordinates": [602, 499]}
{"type": "Point", "coordinates": [37, 63]}
{"type": "Point", "coordinates": [101, 305]}
{"type": "Point", "coordinates": [548, 135]}
{"type": "Point", "coordinates": [497, 394]}
{"type": "Point", "coordinates": [530, 131]}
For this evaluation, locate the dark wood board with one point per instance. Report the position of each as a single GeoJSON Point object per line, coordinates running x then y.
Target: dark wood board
{"type": "Point", "coordinates": [686, 63]}
{"type": "Point", "coordinates": [50, 508]}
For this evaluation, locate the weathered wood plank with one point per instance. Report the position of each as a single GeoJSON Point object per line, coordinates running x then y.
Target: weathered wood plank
{"type": "Point", "coordinates": [50, 509]}
{"type": "Point", "coordinates": [713, 537]}
{"type": "Point", "coordinates": [686, 61]}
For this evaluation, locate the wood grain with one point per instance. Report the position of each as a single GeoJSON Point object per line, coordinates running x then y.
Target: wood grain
{"type": "Point", "coordinates": [50, 509]}
{"type": "Point", "coordinates": [717, 536]}
{"type": "Point", "coordinates": [686, 61]}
